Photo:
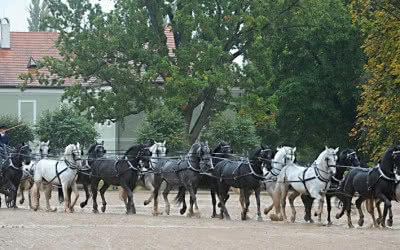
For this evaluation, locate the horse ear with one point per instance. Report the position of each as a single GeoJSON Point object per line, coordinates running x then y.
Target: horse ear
{"type": "Point", "coordinates": [326, 148]}
{"type": "Point", "coordinates": [48, 141]}
{"type": "Point", "coordinates": [278, 148]}
{"type": "Point", "coordinates": [164, 142]}
{"type": "Point", "coordinates": [294, 149]}
{"type": "Point", "coordinates": [336, 150]}
{"type": "Point", "coordinates": [77, 144]}
{"type": "Point", "coordinates": [102, 142]}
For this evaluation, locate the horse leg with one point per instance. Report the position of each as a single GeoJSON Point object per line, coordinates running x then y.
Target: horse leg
{"type": "Point", "coordinates": [36, 196]}
{"type": "Point", "coordinates": [76, 194]}
{"type": "Point", "coordinates": [149, 185]}
{"type": "Point", "coordinates": [193, 201]}
{"type": "Point", "coordinates": [129, 193]}
{"type": "Point", "coordinates": [213, 201]}
{"type": "Point", "coordinates": [103, 189]}
{"type": "Point", "coordinates": [359, 201]}
{"type": "Point", "coordinates": [369, 204]}
{"type": "Point", "coordinates": [67, 197]}
{"type": "Point", "coordinates": [387, 206]}
{"type": "Point", "coordinates": [47, 195]}
{"type": "Point", "coordinates": [284, 192]}
{"type": "Point", "coordinates": [257, 194]}
{"type": "Point", "coordinates": [165, 196]}
{"type": "Point", "coordinates": [292, 197]}
{"type": "Point", "coordinates": [390, 219]}
{"type": "Point", "coordinates": [94, 186]}
{"type": "Point", "coordinates": [222, 197]}
{"type": "Point", "coordinates": [308, 202]}
{"type": "Point", "coordinates": [329, 208]}
{"type": "Point", "coordinates": [86, 188]}
{"type": "Point", "coordinates": [157, 185]}
{"type": "Point", "coordinates": [21, 191]}
{"type": "Point", "coordinates": [348, 212]}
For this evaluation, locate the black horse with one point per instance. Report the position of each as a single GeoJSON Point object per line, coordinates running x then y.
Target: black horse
{"type": "Point", "coordinates": [95, 151]}
{"type": "Point", "coordinates": [11, 170]}
{"type": "Point", "coordinates": [376, 183]}
{"type": "Point", "coordinates": [185, 172]}
{"type": "Point", "coordinates": [347, 158]}
{"type": "Point", "coordinates": [122, 173]}
{"type": "Point", "coordinates": [222, 151]}
{"type": "Point", "coordinates": [246, 174]}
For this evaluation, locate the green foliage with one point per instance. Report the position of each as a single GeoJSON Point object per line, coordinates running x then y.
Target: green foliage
{"type": "Point", "coordinates": [164, 124]}
{"type": "Point", "coordinates": [234, 128]}
{"type": "Point", "coordinates": [307, 70]}
{"type": "Point", "coordinates": [37, 12]}
{"type": "Point", "coordinates": [20, 134]}
{"type": "Point", "coordinates": [65, 126]}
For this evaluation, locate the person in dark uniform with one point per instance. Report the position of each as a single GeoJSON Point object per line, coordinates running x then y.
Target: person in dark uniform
{"type": "Point", "coordinates": [4, 140]}
{"type": "Point", "coordinates": [3, 136]}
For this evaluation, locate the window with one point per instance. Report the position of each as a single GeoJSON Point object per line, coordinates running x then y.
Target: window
{"type": "Point", "coordinates": [27, 111]}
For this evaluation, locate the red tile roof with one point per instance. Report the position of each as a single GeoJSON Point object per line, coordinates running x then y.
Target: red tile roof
{"type": "Point", "coordinates": [24, 45]}
{"type": "Point", "coordinates": [37, 45]}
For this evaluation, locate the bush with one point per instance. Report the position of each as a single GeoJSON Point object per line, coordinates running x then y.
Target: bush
{"type": "Point", "coordinates": [65, 126]}
{"type": "Point", "coordinates": [235, 128]}
{"type": "Point", "coordinates": [164, 124]}
{"type": "Point", "coordinates": [22, 133]}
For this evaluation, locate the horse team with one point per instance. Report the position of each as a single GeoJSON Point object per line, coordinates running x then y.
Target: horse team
{"type": "Point", "coordinates": [218, 169]}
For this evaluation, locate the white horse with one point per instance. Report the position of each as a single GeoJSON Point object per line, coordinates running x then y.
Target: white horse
{"type": "Point", "coordinates": [313, 181]}
{"type": "Point", "coordinates": [158, 151]}
{"type": "Point", "coordinates": [285, 155]}
{"type": "Point", "coordinates": [27, 176]}
{"type": "Point", "coordinates": [58, 172]}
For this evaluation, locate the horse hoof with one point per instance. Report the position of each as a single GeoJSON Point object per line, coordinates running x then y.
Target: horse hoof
{"type": "Point", "coordinates": [330, 223]}
{"type": "Point", "coordinates": [182, 211]}
{"type": "Point", "coordinates": [311, 221]}
{"type": "Point", "coordinates": [155, 213]}
{"type": "Point", "coordinates": [260, 219]}
{"type": "Point", "coordinates": [189, 215]}
{"type": "Point", "coordinates": [146, 203]}
{"type": "Point", "coordinates": [103, 209]}
{"type": "Point", "coordinates": [21, 202]}
{"type": "Point", "coordinates": [351, 226]}
{"type": "Point", "coordinates": [361, 222]}
{"type": "Point", "coordinates": [275, 217]}
{"type": "Point", "coordinates": [292, 219]}
{"type": "Point", "coordinates": [95, 211]}
{"type": "Point", "coordinates": [390, 223]}
{"type": "Point", "coordinates": [198, 216]}
{"type": "Point", "coordinates": [83, 204]}
{"type": "Point", "coordinates": [338, 216]}
{"type": "Point", "coordinates": [266, 211]}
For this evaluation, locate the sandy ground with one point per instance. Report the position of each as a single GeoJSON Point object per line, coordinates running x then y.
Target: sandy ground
{"type": "Point", "coordinates": [24, 229]}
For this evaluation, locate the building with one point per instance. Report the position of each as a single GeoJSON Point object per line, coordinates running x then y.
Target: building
{"type": "Point", "coordinates": [19, 52]}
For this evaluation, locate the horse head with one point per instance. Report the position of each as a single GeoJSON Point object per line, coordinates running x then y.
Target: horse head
{"type": "Point", "coordinates": [139, 153]}
{"type": "Point", "coordinates": [347, 157]}
{"type": "Point", "coordinates": [23, 152]}
{"type": "Point", "coordinates": [96, 150]}
{"type": "Point", "coordinates": [396, 159]}
{"type": "Point", "coordinates": [223, 150]}
{"type": "Point", "coordinates": [158, 149]}
{"type": "Point", "coordinates": [328, 159]}
{"type": "Point", "coordinates": [44, 149]}
{"type": "Point", "coordinates": [284, 155]}
{"type": "Point", "coordinates": [204, 154]}
{"type": "Point", "coordinates": [262, 157]}
{"type": "Point", "coordinates": [73, 154]}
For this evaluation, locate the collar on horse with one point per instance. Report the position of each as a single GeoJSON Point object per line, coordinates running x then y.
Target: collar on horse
{"type": "Point", "coordinates": [13, 166]}
{"type": "Point", "coordinates": [317, 175]}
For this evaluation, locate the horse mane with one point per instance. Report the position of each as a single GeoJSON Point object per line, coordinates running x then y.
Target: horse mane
{"type": "Point", "coordinates": [135, 148]}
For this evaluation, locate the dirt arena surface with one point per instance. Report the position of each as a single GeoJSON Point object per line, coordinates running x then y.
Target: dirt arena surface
{"type": "Point", "coordinates": [24, 229]}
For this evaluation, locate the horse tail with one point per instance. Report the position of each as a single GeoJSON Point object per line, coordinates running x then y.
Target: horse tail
{"type": "Point", "coordinates": [276, 196]}
{"type": "Point", "coordinates": [123, 195]}
{"type": "Point", "coordinates": [180, 197]}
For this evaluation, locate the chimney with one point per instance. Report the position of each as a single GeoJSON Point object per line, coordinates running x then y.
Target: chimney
{"type": "Point", "coordinates": [5, 33]}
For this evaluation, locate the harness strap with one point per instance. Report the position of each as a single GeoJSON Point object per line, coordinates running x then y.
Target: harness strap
{"type": "Point", "coordinates": [304, 180]}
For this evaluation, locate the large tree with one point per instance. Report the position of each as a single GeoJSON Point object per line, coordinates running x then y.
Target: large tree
{"type": "Point", "coordinates": [308, 66]}
{"type": "Point", "coordinates": [118, 57]}
{"type": "Point", "coordinates": [379, 113]}
{"type": "Point", "coordinates": [37, 14]}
